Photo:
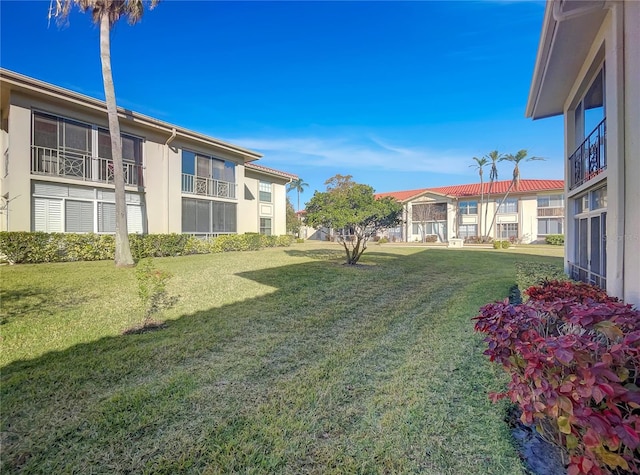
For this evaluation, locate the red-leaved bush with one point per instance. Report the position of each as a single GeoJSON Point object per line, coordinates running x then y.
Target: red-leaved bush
{"type": "Point", "coordinates": [573, 354]}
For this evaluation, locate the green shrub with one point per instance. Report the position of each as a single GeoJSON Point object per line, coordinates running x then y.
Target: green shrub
{"type": "Point", "coordinates": [270, 241]}
{"type": "Point", "coordinates": [555, 239]}
{"type": "Point", "coordinates": [383, 240]}
{"type": "Point", "coordinates": [286, 240]}
{"type": "Point", "coordinates": [529, 274]}
{"type": "Point", "coordinates": [506, 244]}
{"type": "Point", "coordinates": [36, 247]}
{"type": "Point", "coordinates": [152, 289]}
{"type": "Point", "coordinates": [300, 241]}
{"type": "Point", "coordinates": [497, 244]}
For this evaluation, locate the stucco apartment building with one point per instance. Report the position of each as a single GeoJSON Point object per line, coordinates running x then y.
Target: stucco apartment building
{"type": "Point", "coordinates": [56, 172]}
{"type": "Point", "coordinates": [588, 70]}
{"type": "Point", "coordinates": [528, 214]}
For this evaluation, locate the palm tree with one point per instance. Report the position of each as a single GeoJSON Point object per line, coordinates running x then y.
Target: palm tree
{"type": "Point", "coordinates": [516, 159]}
{"type": "Point", "coordinates": [106, 13]}
{"type": "Point", "coordinates": [479, 165]}
{"type": "Point", "coordinates": [299, 185]}
{"type": "Point", "coordinates": [495, 157]}
{"type": "Point", "coordinates": [520, 156]}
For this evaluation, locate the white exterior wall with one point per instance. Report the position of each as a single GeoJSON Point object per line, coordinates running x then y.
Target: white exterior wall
{"type": "Point", "coordinates": [617, 44]}
{"type": "Point", "coordinates": [631, 241]}
{"type": "Point", "coordinates": [528, 218]}
{"type": "Point", "coordinates": [253, 209]}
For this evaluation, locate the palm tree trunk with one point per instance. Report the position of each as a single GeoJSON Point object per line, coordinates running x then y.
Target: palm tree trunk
{"type": "Point", "coordinates": [495, 213]}
{"type": "Point", "coordinates": [123, 256]}
{"type": "Point", "coordinates": [480, 208]}
{"type": "Point", "coordinates": [486, 210]}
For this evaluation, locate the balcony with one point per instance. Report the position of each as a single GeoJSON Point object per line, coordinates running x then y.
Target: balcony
{"type": "Point", "coordinates": [550, 212]}
{"type": "Point", "coordinates": [590, 158]}
{"type": "Point", "coordinates": [208, 187]}
{"type": "Point", "coordinates": [76, 165]}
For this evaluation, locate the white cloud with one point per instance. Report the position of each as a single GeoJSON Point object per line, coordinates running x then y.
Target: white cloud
{"type": "Point", "coordinates": [363, 152]}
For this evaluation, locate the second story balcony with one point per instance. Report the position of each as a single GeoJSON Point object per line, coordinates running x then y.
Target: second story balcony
{"type": "Point", "coordinates": [79, 165]}
{"type": "Point", "coordinates": [208, 187]}
{"type": "Point", "coordinates": [590, 158]}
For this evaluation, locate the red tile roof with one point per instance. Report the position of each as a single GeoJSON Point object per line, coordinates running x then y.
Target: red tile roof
{"type": "Point", "coordinates": [402, 195]}
{"type": "Point", "coordinates": [273, 171]}
{"type": "Point", "coordinates": [473, 189]}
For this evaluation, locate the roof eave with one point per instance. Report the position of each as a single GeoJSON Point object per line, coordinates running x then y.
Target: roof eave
{"type": "Point", "coordinates": [565, 42]}
{"type": "Point", "coordinates": [40, 87]}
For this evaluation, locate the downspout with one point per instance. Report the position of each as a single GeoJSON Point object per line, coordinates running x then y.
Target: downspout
{"type": "Point", "coordinates": [166, 154]}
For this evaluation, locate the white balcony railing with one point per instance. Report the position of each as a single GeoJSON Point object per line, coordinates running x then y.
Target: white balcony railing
{"type": "Point", "coordinates": [208, 187]}
{"type": "Point", "coordinates": [80, 166]}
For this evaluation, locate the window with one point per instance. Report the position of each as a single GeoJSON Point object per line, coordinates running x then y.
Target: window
{"type": "Point", "coordinates": [208, 217]}
{"type": "Point", "coordinates": [265, 226]}
{"type": "Point", "coordinates": [599, 198]}
{"type": "Point", "coordinates": [131, 147]}
{"type": "Point", "coordinates": [467, 231]}
{"type": "Point", "coordinates": [78, 216]}
{"type": "Point", "coordinates": [550, 205]}
{"type": "Point", "coordinates": [589, 263]}
{"type": "Point", "coordinates": [510, 205]}
{"type": "Point", "coordinates": [468, 207]}
{"type": "Point", "coordinates": [265, 191]}
{"type": "Point", "coordinates": [422, 212]}
{"type": "Point", "coordinates": [550, 226]}
{"type": "Point", "coordinates": [75, 209]}
{"type": "Point", "coordinates": [551, 201]}
{"type": "Point", "coordinates": [205, 166]}
{"type": "Point", "coordinates": [591, 110]}
{"type": "Point", "coordinates": [508, 231]}
{"type": "Point", "coordinates": [64, 147]}
{"type": "Point", "coordinates": [431, 228]}
{"type": "Point", "coordinates": [205, 175]}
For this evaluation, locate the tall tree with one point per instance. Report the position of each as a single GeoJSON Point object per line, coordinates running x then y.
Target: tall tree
{"type": "Point", "coordinates": [495, 157]}
{"type": "Point", "coordinates": [106, 13]}
{"type": "Point", "coordinates": [352, 209]}
{"type": "Point", "coordinates": [520, 156]}
{"type": "Point", "coordinates": [479, 165]}
{"type": "Point", "coordinates": [298, 185]}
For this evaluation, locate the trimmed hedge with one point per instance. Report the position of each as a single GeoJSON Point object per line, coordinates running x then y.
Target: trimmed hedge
{"type": "Point", "coordinates": [529, 274]}
{"type": "Point", "coordinates": [555, 239]}
{"type": "Point", "coordinates": [37, 247]}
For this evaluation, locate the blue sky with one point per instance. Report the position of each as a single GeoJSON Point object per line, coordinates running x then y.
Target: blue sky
{"type": "Point", "coordinates": [400, 95]}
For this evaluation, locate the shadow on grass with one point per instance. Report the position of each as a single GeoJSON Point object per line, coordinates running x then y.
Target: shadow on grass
{"type": "Point", "coordinates": [250, 384]}
{"type": "Point", "coordinates": [32, 300]}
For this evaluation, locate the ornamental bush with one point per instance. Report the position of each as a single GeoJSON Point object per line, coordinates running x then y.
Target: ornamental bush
{"type": "Point", "coordinates": [555, 239]}
{"type": "Point", "coordinates": [573, 354]}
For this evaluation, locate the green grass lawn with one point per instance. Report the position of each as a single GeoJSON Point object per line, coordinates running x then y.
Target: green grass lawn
{"type": "Point", "coordinates": [275, 361]}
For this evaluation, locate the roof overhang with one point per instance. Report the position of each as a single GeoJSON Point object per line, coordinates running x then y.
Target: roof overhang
{"type": "Point", "coordinates": [12, 81]}
{"type": "Point", "coordinates": [568, 31]}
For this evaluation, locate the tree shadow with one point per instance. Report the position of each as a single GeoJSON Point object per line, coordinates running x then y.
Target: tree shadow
{"type": "Point", "coordinates": [32, 300]}
{"type": "Point", "coordinates": [218, 374]}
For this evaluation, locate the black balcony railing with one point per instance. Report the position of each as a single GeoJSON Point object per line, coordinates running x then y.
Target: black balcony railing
{"type": "Point", "coordinates": [590, 158]}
